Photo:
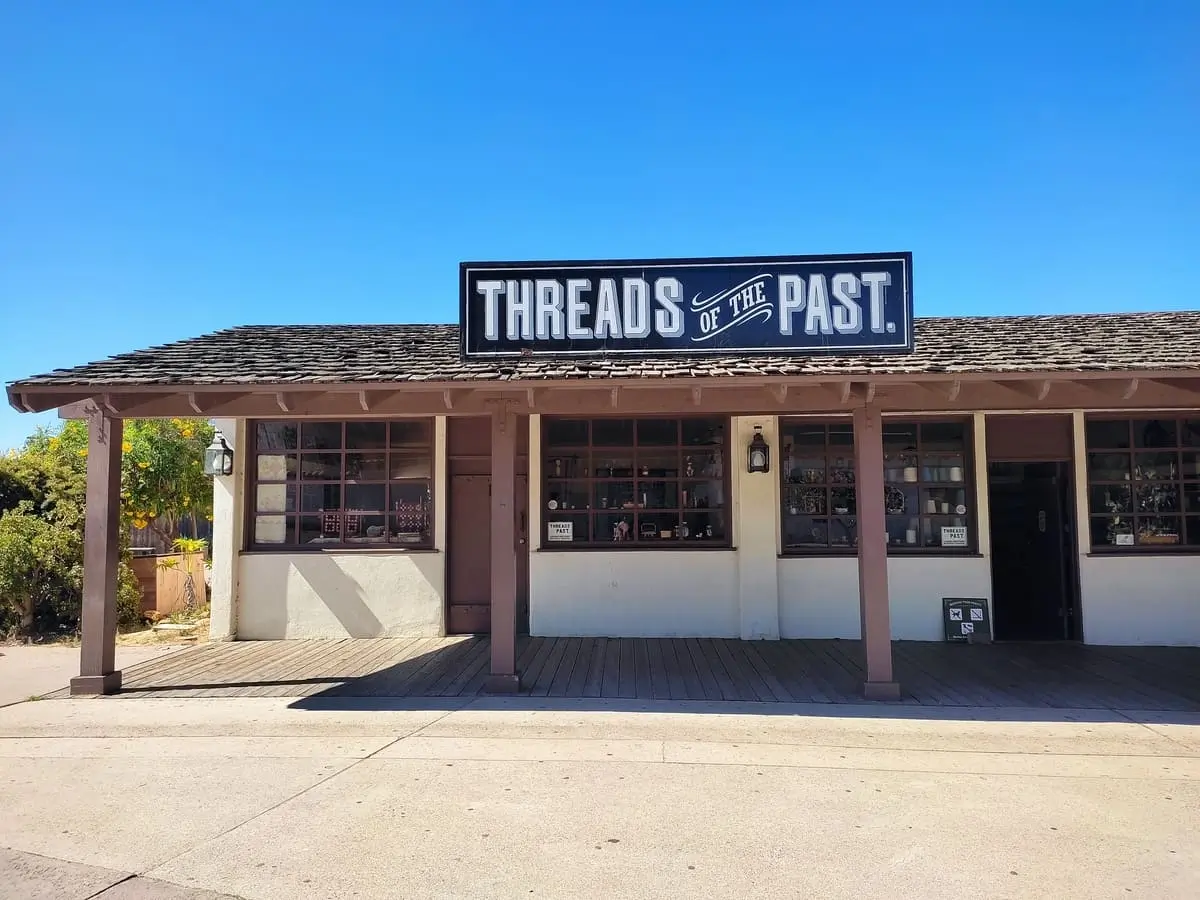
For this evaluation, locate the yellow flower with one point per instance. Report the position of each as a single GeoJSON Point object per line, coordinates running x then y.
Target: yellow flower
{"type": "Point", "coordinates": [126, 447]}
{"type": "Point", "coordinates": [139, 523]}
{"type": "Point", "coordinates": [54, 442]}
{"type": "Point", "coordinates": [82, 452]}
{"type": "Point", "coordinates": [143, 465]}
{"type": "Point", "coordinates": [187, 501]}
{"type": "Point", "coordinates": [188, 432]}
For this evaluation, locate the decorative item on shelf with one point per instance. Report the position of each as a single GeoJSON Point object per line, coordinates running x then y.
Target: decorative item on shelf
{"type": "Point", "coordinates": [894, 501]}
{"type": "Point", "coordinates": [910, 474]}
{"type": "Point", "coordinates": [708, 531]}
{"type": "Point", "coordinates": [665, 533]}
{"type": "Point", "coordinates": [931, 506]}
{"type": "Point", "coordinates": [758, 454]}
{"type": "Point", "coordinates": [683, 531]}
{"type": "Point", "coordinates": [648, 530]}
{"type": "Point", "coordinates": [645, 470]}
{"type": "Point", "coordinates": [689, 467]}
{"type": "Point", "coordinates": [960, 510]}
{"type": "Point", "coordinates": [558, 468]}
{"type": "Point", "coordinates": [956, 473]}
{"type": "Point", "coordinates": [553, 504]}
{"type": "Point", "coordinates": [620, 531]}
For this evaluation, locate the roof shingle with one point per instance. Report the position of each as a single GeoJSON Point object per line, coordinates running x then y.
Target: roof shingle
{"type": "Point", "coordinates": [290, 354]}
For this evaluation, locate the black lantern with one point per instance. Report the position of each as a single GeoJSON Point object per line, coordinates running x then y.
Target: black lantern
{"type": "Point", "coordinates": [218, 457]}
{"type": "Point", "coordinates": [758, 456]}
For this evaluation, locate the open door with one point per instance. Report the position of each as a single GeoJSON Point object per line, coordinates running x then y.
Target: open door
{"type": "Point", "coordinates": [1033, 559]}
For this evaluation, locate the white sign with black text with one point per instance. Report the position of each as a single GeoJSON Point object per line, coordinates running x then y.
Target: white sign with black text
{"type": "Point", "coordinates": [954, 536]}
{"type": "Point", "coordinates": [560, 531]}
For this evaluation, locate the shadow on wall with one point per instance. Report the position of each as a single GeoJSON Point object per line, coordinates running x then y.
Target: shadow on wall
{"type": "Point", "coordinates": [316, 584]}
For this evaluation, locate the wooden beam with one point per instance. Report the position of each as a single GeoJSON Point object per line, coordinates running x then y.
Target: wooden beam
{"type": "Point", "coordinates": [531, 398]}
{"type": "Point", "coordinates": [448, 398]}
{"type": "Point", "coordinates": [615, 397]}
{"type": "Point", "coordinates": [955, 390]}
{"type": "Point", "coordinates": [106, 403]}
{"type": "Point", "coordinates": [281, 401]}
{"type": "Point", "coordinates": [847, 386]}
{"type": "Point", "coordinates": [194, 403]}
{"type": "Point", "coordinates": [364, 401]}
{"type": "Point", "coordinates": [779, 392]}
{"type": "Point", "coordinates": [697, 396]}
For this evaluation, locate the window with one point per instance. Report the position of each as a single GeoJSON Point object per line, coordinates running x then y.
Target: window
{"type": "Point", "coordinates": [927, 493]}
{"type": "Point", "coordinates": [635, 482]}
{"type": "Point", "coordinates": [1144, 483]}
{"type": "Point", "coordinates": [349, 484]}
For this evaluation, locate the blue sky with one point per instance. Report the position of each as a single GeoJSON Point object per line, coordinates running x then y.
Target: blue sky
{"type": "Point", "coordinates": [167, 169]}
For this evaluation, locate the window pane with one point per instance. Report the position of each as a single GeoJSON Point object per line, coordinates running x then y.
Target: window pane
{"type": "Point", "coordinates": [900, 500]}
{"type": "Point", "coordinates": [371, 528]}
{"type": "Point", "coordinates": [412, 465]}
{"type": "Point", "coordinates": [803, 435]}
{"type": "Point", "coordinates": [703, 526]}
{"type": "Point", "coordinates": [270, 529]}
{"type": "Point", "coordinates": [944, 501]}
{"type": "Point", "coordinates": [1191, 498]}
{"type": "Point", "coordinates": [811, 501]}
{"type": "Point", "coordinates": [1112, 531]}
{"type": "Point", "coordinates": [1158, 498]}
{"type": "Point", "coordinates": [321, 436]}
{"type": "Point", "coordinates": [613, 495]}
{"type": "Point", "coordinates": [312, 531]}
{"type": "Point", "coordinates": [841, 438]}
{"type": "Point", "coordinates": [610, 466]}
{"type": "Point", "coordinates": [572, 465]}
{"type": "Point", "coordinates": [703, 494]}
{"type": "Point", "coordinates": [366, 435]}
{"type": "Point", "coordinates": [806, 470]}
{"type": "Point", "coordinates": [700, 432]}
{"type": "Point", "coordinates": [321, 466]}
{"type": "Point", "coordinates": [275, 498]}
{"type": "Point", "coordinates": [412, 433]}
{"type": "Point", "coordinates": [1191, 464]}
{"type": "Point", "coordinates": [946, 532]}
{"type": "Point", "coordinates": [1191, 433]}
{"type": "Point", "coordinates": [366, 497]}
{"type": "Point", "coordinates": [1108, 466]}
{"type": "Point", "coordinates": [703, 464]}
{"type": "Point", "coordinates": [843, 532]}
{"type": "Point", "coordinates": [612, 432]}
{"type": "Point", "coordinates": [617, 527]}
{"type": "Point", "coordinates": [567, 529]}
{"type": "Point", "coordinates": [805, 531]}
{"type": "Point", "coordinates": [652, 464]}
{"type": "Point", "coordinates": [276, 435]}
{"type": "Point", "coordinates": [366, 466]}
{"type": "Point", "coordinates": [1107, 434]}
{"type": "Point", "coordinates": [1193, 531]}
{"type": "Point", "coordinates": [410, 508]}
{"type": "Point", "coordinates": [1155, 466]}
{"type": "Point", "coordinates": [657, 432]}
{"type": "Point", "coordinates": [899, 437]}
{"type": "Point", "coordinates": [658, 494]}
{"type": "Point", "coordinates": [903, 531]}
{"type": "Point", "coordinates": [841, 470]}
{"type": "Point", "coordinates": [1158, 531]}
{"type": "Point", "coordinates": [942, 467]}
{"type": "Point", "coordinates": [1110, 498]}
{"type": "Point", "coordinates": [1155, 433]}
{"type": "Point", "coordinates": [662, 526]}
{"type": "Point", "coordinates": [562, 495]}
{"type": "Point", "coordinates": [941, 436]}
{"type": "Point", "coordinates": [315, 498]}
{"type": "Point", "coordinates": [566, 432]}
{"type": "Point", "coordinates": [276, 468]}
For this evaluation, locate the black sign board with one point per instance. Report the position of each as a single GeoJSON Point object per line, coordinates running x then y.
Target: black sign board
{"type": "Point", "coordinates": [854, 303]}
{"type": "Point", "coordinates": [966, 620]}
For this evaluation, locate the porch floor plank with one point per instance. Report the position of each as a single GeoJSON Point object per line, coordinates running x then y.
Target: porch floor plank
{"type": "Point", "coordinates": [933, 674]}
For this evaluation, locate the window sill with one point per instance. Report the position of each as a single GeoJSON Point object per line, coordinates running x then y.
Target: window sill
{"type": "Point", "coordinates": [1139, 553]}
{"type": "Point", "coordinates": [341, 548]}
{"type": "Point", "coordinates": [643, 548]}
{"type": "Point", "coordinates": [931, 553]}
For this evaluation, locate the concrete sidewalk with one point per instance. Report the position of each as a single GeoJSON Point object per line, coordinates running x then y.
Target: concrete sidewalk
{"type": "Point", "coordinates": [31, 671]}
{"type": "Point", "coordinates": [262, 798]}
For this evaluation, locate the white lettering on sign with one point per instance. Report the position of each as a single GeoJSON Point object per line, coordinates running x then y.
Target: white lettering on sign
{"type": "Point", "coordinates": [954, 536]}
{"type": "Point", "coordinates": [842, 312]}
{"type": "Point", "coordinates": [876, 284]}
{"type": "Point", "coordinates": [560, 531]}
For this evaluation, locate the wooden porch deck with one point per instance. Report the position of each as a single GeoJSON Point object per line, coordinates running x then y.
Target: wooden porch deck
{"type": "Point", "coordinates": [1055, 676]}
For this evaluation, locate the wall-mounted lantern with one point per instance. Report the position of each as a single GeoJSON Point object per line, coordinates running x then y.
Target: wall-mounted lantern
{"type": "Point", "coordinates": [758, 454]}
{"type": "Point", "coordinates": [218, 457]}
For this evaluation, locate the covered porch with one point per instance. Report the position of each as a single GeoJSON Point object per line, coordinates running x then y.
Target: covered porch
{"type": "Point", "coordinates": [1039, 676]}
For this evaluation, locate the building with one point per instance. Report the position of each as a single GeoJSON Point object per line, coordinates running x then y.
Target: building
{"type": "Point", "coordinates": [566, 462]}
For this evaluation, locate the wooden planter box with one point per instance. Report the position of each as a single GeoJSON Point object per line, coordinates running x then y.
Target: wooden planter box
{"type": "Point", "coordinates": [163, 580]}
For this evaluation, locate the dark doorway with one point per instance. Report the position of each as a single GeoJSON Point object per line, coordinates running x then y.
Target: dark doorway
{"type": "Point", "coordinates": [1033, 559]}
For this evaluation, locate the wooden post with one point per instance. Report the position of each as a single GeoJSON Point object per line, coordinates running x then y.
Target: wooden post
{"type": "Point", "coordinates": [101, 554]}
{"type": "Point", "coordinates": [504, 676]}
{"type": "Point", "coordinates": [875, 615]}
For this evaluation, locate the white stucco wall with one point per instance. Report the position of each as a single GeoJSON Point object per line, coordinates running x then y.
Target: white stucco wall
{"type": "Point", "coordinates": [818, 598]}
{"type": "Point", "coordinates": [228, 515]}
{"type": "Point", "coordinates": [1141, 601]}
{"type": "Point", "coordinates": [634, 593]}
{"type": "Point", "coordinates": [335, 594]}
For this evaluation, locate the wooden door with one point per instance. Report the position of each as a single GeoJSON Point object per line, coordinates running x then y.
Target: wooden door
{"type": "Point", "coordinates": [470, 551]}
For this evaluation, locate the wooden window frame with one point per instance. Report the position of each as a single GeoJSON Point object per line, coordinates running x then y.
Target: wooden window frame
{"type": "Point", "coordinates": [343, 516]}
{"type": "Point", "coordinates": [920, 486]}
{"type": "Point", "coordinates": [1187, 520]}
{"type": "Point", "coordinates": [585, 453]}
